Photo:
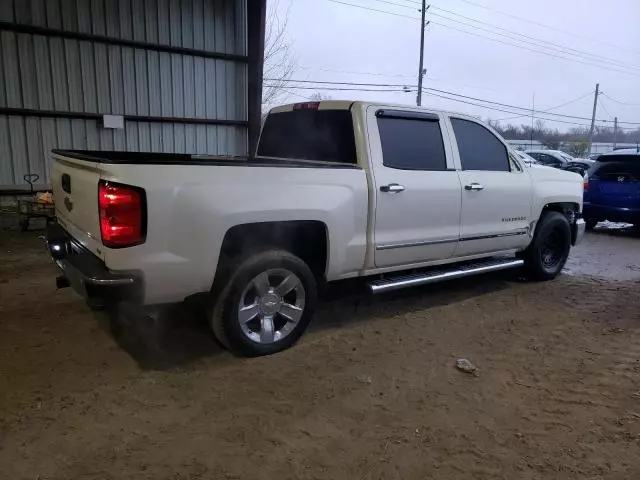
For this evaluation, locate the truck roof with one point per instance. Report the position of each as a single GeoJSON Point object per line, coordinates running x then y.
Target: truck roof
{"type": "Point", "coordinates": [347, 104]}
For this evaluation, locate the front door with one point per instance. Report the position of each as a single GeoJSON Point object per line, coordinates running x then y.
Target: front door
{"type": "Point", "coordinates": [417, 189]}
{"type": "Point", "coordinates": [496, 192]}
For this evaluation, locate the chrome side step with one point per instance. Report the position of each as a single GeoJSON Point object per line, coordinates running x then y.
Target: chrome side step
{"type": "Point", "coordinates": [440, 275]}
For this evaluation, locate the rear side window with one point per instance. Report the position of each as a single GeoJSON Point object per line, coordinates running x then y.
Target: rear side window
{"type": "Point", "coordinates": [479, 148]}
{"type": "Point", "coordinates": [411, 143]}
{"type": "Point", "coordinates": [309, 134]}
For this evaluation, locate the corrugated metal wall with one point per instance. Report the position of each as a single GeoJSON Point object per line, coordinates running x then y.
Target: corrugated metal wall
{"type": "Point", "coordinates": [44, 72]}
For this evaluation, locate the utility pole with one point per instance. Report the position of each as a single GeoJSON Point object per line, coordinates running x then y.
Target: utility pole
{"type": "Point", "coordinates": [533, 112]}
{"type": "Point", "coordinates": [593, 115]}
{"type": "Point", "coordinates": [615, 131]}
{"type": "Point", "coordinates": [421, 67]}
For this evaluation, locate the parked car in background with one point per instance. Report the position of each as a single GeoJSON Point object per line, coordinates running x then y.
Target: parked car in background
{"type": "Point", "coordinates": [528, 160]}
{"type": "Point", "coordinates": [550, 158]}
{"type": "Point", "coordinates": [580, 165]}
{"type": "Point", "coordinates": [613, 189]}
{"type": "Point", "coordinates": [561, 160]}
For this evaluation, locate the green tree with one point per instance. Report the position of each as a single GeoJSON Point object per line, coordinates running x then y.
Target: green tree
{"type": "Point", "coordinates": [578, 149]}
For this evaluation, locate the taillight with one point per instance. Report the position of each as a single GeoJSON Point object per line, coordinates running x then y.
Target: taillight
{"type": "Point", "coordinates": [122, 214]}
{"type": "Point", "coordinates": [585, 183]}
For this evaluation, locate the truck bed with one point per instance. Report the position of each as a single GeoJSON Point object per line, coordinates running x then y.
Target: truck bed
{"type": "Point", "coordinates": [143, 158]}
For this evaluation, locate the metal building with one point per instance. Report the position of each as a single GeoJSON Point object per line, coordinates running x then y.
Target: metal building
{"type": "Point", "coordinates": [182, 76]}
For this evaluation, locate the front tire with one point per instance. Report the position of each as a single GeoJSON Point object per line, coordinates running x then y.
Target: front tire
{"type": "Point", "coordinates": [266, 305]}
{"type": "Point", "coordinates": [548, 252]}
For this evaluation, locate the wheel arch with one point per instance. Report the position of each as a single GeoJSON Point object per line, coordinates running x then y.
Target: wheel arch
{"type": "Point", "coordinates": [307, 239]}
{"type": "Point", "coordinates": [561, 207]}
{"type": "Point", "coordinates": [568, 209]}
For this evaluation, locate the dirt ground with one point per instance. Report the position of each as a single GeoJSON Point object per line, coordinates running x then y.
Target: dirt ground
{"type": "Point", "coordinates": [371, 392]}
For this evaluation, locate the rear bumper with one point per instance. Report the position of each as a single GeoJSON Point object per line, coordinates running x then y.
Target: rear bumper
{"type": "Point", "coordinates": [613, 214]}
{"type": "Point", "coordinates": [87, 274]}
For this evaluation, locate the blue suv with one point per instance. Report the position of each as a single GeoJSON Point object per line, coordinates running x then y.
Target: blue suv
{"type": "Point", "coordinates": [612, 191]}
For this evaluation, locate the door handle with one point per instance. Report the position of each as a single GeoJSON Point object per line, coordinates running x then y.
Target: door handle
{"type": "Point", "coordinates": [474, 187]}
{"type": "Point", "coordinates": [392, 188]}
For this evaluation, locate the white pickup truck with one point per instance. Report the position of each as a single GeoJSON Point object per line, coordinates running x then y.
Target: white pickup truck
{"type": "Point", "coordinates": [399, 195]}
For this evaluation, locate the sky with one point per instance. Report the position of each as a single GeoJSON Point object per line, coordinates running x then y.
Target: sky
{"type": "Point", "coordinates": [535, 52]}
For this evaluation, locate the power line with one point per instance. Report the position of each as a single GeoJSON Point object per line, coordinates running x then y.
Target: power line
{"type": "Point", "coordinates": [561, 48]}
{"type": "Point", "coordinates": [542, 52]}
{"type": "Point", "coordinates": [296, 94]}
{"type": "Point", "coordinates": [619, 102]}
{"type": "Point", "coordinates": [601, 103]}
{"type": "Point", "coordinates": [543, 25]}
{"type": "Point", "coordinates": [505, 111]}
{"type": "Point", "coordinates": [532, 50]}
{"type": "Point", "coordinates": [328, 82]}
{"type": "Point", "coordinates": [546, 110]}
{"type": "Point", "coordinates": [410, 90]}
{"type": "Point", "coordinates": [510, 106]}
{"type": "Point", "coordinates": [347, 89]}
{"type": "Point", "coordinates": [487, 107]}
{"type": "Point", "coordinates": [372, 9]}
{"type": "Point", "coordinates": [353, 72]}
{"type": "Point", "coordinates": [539, 42]}
{"type": "Point", "coordinates": [407, 87]}
{"type": "Point", "coordinates": [395, 75]}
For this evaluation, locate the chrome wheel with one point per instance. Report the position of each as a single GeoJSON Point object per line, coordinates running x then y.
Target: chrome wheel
{"type": "Point", "coordinates": [271, 306]}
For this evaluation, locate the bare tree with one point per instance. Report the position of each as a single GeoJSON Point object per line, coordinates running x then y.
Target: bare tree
{"type": "Point", "coordinates": [318, 97]}
{"type": "Point", "coordinates": [279, 60]}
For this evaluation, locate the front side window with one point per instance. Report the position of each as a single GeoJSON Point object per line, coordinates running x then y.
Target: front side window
{"type": "Point", "coordinates": [411, 143]}
{"type": "Point", "coordinates": [479, 148]}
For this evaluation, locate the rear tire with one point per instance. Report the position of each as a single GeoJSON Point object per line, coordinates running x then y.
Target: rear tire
{"type": "Point", "coordinates": [266, 304]}
{"type": "Point", "coordinates": [548, 252]}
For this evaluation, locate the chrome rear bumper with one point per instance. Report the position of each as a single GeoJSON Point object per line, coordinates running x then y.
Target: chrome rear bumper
{"type": "Point", "coordinates": [86, 273]}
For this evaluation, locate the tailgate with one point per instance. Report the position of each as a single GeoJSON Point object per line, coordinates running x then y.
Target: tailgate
{"type": "Point", "coordinates": [75, 190]}
{"type": "Point", "coordinates": [616, 189]}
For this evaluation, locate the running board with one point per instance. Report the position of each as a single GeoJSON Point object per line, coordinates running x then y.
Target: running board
{"type": "Point", "coordinates": [440, 275]}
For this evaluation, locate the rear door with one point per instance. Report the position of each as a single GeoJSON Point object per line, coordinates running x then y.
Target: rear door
{"type": "Point", "coordinates": [416, 187]}
{"type": "Point", "coordinates": [616, 184]}
{"type": "Point", "coordinates": [496, 192]}
{"type": "Point", "coordinates": [75, 190]}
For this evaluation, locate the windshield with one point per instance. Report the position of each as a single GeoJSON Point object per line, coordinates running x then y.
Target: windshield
{"type": "Point", "coordinates": [526, 157]}
{"type": "Point", "coordinates": [566, 156]}
{"type": "Point", "coordinates": [309, 134]}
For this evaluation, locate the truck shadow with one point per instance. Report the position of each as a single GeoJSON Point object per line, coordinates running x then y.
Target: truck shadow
{"type": "Point", "coordinates": [179, 335]}
{"type": "Point", "coordinates": [347, 302]}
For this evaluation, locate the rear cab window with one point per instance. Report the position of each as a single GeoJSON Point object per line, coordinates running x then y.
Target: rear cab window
{"type": "Point", "coordinates": [307, 133]}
